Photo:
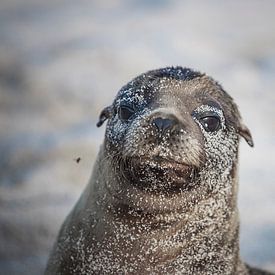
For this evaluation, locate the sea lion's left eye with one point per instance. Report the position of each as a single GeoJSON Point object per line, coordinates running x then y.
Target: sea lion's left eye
{"type": "Point", "coordinates": [125, 112]}
{"type": "Point", "coordinates": [210, 123]}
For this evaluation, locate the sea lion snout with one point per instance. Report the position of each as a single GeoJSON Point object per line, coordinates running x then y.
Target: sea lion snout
{"type": "Point", "coordinates": [164, 133]}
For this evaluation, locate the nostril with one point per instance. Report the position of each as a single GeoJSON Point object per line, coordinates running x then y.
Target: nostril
{"type": "Point", "coordinates": [163, 124]}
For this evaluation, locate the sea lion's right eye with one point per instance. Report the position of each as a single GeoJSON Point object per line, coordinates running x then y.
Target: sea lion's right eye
{"type": "Point", "coordinates": [125, 112]}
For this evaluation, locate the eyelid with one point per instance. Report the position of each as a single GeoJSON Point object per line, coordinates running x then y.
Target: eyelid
{"type": "Point", "coordinates": [125, 105]}
{"type": "Point", "coordinates": [200, 115]}
{"type": "Point", "coordinates": [208, 114]}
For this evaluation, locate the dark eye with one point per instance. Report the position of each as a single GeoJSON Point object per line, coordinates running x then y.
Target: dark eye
{"type": "Point", "coordinates": [125, 112]}
{"type": "Point", "coordinates": [210, 123]}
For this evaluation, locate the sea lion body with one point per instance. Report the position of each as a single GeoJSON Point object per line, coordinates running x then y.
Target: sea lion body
{"type": "Point", "coordinates": [162, 198]}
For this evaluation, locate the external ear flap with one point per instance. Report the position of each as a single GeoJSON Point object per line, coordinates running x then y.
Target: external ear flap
{"type": "Point", "coordinates": [245, 133]}
{"type": "Point", "coordinates": [104, 115]}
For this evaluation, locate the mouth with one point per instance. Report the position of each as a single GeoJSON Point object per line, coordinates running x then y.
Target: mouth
{"type": "Point", "coordinates": [160, 173]}
{"type": "Point", "coordinates": [165, 163]}
{"type": "Point", "coordinates": [159, 163]}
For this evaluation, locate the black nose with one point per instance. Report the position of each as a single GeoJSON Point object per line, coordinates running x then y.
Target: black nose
{"type": "Point", "coordinates": [163, 124]}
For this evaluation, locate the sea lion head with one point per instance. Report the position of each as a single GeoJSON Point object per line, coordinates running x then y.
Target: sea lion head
{"type": "Point", "coordinates": [173, 131]}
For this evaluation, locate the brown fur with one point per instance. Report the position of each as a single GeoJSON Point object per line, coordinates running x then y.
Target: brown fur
{"type": "Point", "coordinates": [160, 204]}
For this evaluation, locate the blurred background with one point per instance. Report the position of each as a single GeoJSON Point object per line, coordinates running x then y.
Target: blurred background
{"type": "Point", "coordinates": [62, 61]}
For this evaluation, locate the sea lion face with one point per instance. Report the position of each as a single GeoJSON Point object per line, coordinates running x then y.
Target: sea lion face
{"type": "Point", "coordinates": [169, 128]}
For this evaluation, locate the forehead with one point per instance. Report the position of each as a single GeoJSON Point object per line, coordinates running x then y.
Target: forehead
{"type": "Point", "coordinates": [159, 91]}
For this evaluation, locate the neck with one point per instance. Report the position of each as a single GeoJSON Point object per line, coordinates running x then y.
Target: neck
{"type": "Point", "coordinates": [199, 234]}
{"type": "Point", "coordinates": [203, 240]}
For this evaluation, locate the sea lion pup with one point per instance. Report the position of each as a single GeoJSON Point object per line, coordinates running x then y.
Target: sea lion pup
{"type": "Point", "coordinates": [162, 198]}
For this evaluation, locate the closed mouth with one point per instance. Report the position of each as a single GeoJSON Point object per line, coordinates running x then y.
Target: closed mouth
{"type": "Point", "coordinates": [159, 162]}
{"type": "Point", "coordinates": [163, 166]}
{"type": "Point", "coordinates": [160, 173]}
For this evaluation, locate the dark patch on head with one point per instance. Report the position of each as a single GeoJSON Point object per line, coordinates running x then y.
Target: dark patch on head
{"type": "Point", "coordinates": [147, 84]}
{"type": "Point", "coordinates": [177, 73]}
